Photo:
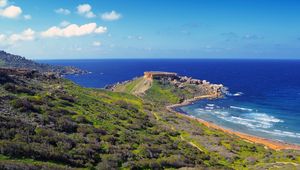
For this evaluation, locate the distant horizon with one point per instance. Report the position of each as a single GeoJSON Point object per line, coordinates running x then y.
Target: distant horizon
{"type": "Point", "coordinates": [77, 59]}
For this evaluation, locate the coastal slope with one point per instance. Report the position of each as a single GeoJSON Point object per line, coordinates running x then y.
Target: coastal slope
{"type": "Point", "coordinates": [51, 123]}
{"type": "Point", "coordinates": [167, 93]}
{"type": "Point", "coordinates": [8, 60]}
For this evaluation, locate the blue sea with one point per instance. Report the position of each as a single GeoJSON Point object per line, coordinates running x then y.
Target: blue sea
{"type": "Point", "coordinates": [264, 98]}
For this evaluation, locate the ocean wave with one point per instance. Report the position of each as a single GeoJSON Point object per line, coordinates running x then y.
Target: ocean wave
{"type": "Point", "coordinates": [264, 117]}
{"type": "Point", "coordinates": [238, 94]}
{"type": "Point", "coordinates": [250, 119]}
{"type": "Point", "coordinates": [221, 113]}
{"type": "Point", "coordinates": [241, 108]}
{"type": "Point", "coordinates": [209, 108]}
{"type": "Point", "coordinates": [281, 133]}
{"type": "Point", "coordinates": [248, 122]}
{"type": "Point", "coordinates": [253, 120]}
{"type": "Point", "coordinates": [227, 93]}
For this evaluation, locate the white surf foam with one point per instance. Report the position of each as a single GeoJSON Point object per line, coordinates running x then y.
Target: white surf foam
{"type": "Point", "coordinates": [241, 108]}
{"type": "Point", "coordinates": [238, 94]}
{"type": "Point", "coordinates": [221, 113]}
{"type": "Point", "coordinates": [251, 123]}
{"type": "Point", "coordinates": [264, 117]}
{"type": "Point", "coordinates": [227, 93]}
{"type": "Point", "coordinates": [250, 119]}
{"type": "Point", "coordinates": [209, 108]}
{"type": "Point", "coordinates": [281, 133]}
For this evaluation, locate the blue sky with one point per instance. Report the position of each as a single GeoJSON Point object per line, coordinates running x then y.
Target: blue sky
{"type": "Point", "coordinates": [84, 29]}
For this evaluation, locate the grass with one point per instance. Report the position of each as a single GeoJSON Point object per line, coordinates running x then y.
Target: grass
{"type": "Point", "coordinates": [161, 96]}
{"type": "Point", "coordinates": [121, 130]}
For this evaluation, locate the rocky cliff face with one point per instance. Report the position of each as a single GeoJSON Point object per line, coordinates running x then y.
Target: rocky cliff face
{"type": "Point", "coordinates": [183, 82]}
{"type": "Point", "coordinates": [14, 61]}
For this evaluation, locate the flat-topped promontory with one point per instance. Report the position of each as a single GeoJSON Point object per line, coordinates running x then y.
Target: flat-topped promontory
{"type": "Point", "coordinates": [157, 74]}
{"type": "Point", "coordinates": [186, 87]}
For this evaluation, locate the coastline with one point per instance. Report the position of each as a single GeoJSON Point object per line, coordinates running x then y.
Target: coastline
{"type": "Point", "coordinates": [272, 144]}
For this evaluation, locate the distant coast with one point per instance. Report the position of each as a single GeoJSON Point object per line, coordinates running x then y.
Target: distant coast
{"type": "Point", "coordinates": [276, 145]}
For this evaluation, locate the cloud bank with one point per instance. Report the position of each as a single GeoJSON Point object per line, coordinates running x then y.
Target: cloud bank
{"type": "Point", "coordinates": [26, 35]}
{"type": "Point", "coordinates": [74, 30]}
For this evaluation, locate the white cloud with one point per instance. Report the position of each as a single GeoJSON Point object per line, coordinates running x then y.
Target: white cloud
{"type": "Point", "coordinates": [27, 35]}
{"type": "Point", "coordinates": [3, 3]}
{"type": "Point", "coordinates": [101, 30]}
{"type": "Point", "coordinates": [11, 12]}
{"type": "Point", "coordinates": [97, 43]}
{"type": "Point", "coordinates": [62, 11]}
{"type": "Point", "coordinates": [111, 16]}
{"type": "Point", "coordinates": [74, 30]}
{"type": "Point", "coordinates": [85, 10]}
{"type": "Point", "coordinates": [90, 15]}
{"type": "Point", "coordinates": [2, 37]}
{"type": "Point", "coordinates": [64, 23]}
{"type": "Point", "coordinates": [27, 17]}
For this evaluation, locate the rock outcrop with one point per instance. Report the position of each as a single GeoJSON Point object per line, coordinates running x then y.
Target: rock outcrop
{"type": "Point", "coordinates": [139, 86]}
{"type": "Point", "coordinates": [157, 74]}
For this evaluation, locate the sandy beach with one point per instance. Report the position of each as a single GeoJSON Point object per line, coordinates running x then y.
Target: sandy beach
{"type": "Point", "coordinates": [276, 145]}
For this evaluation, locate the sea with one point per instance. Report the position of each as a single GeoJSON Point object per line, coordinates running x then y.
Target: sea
{"type": "Point", "coordinates": [263, 97]}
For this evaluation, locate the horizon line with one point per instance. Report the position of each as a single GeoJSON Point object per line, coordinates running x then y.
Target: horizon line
{"type": "Point", "coordinates": [121, 58]}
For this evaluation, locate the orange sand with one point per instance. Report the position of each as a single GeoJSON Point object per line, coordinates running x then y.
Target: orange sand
{"type": "Point", "coordinates": [276, 145]}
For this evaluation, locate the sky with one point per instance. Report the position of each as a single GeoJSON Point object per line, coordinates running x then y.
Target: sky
{"type": "Point", "coordinates": [96, 29]}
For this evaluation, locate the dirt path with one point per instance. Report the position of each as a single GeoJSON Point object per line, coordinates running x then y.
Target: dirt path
{"type": "Point", "coordinates": [191, 143]}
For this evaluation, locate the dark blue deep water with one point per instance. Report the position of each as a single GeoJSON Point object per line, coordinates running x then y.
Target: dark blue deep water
{"type": "Point", "coordinates": [265, 98]}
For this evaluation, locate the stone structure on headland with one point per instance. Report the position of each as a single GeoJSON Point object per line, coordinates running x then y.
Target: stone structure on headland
{"type": "Point", "coordinates": [158, 74]}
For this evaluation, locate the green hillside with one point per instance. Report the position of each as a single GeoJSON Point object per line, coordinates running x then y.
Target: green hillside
{"type": "Point", "coordinates": [14, 61]}
{"type": "Point", "coordinates": [51, 123]}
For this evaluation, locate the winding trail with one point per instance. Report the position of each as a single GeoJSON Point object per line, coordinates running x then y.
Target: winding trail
{"type": "Point", "coordinates": [187, 141]}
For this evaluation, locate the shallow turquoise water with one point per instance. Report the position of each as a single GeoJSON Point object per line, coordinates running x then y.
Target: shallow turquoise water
{"type": "Point", "coordinates": [255, 118]}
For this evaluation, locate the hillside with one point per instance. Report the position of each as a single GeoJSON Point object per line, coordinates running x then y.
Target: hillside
{"type": "Point", "coordinates": [137, 86]}
{"type": "Point", "coordinates": [14, 61]}
{"type": "Point", "coordinates": [51, 123]}
{"type": "Point", "coordinates": [164, 89]}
